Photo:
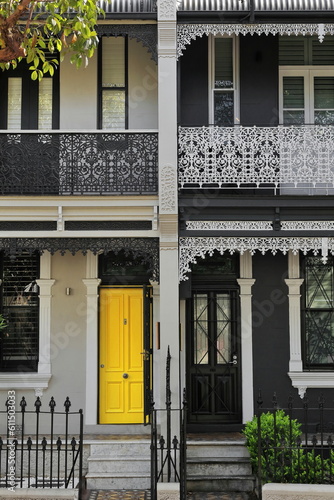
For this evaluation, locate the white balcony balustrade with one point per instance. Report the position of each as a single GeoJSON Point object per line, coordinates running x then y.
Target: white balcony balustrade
{"type": "Point", "coordinates": [287, 159]}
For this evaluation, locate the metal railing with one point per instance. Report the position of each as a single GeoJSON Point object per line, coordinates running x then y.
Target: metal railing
{"type": "Point", "coordinates": [168, 456]}
{"type": "Point", "coordinates": [79, 163]}
{"type": "Point", "coordinates": [285, 159]}
{"type": "Point", "coordinates": [41, 449]}
{"type": "Point", "coordinates": [295, 443]}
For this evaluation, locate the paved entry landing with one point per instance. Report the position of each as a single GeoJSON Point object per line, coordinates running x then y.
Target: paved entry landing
{"type": "Point", "coordinates": [145, 495]}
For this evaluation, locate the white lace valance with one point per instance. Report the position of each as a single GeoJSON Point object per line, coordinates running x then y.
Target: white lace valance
{"type": "Point", "coordinates": [188, 32]}
{"type": "Point", "coordinates": [192, 247]}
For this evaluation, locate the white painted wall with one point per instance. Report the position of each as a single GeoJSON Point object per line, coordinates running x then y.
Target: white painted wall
{"type": "Point", "coordinates": [68, 346]}
{"type": "Point", "coordinates": [79, 92]}
{"type": "Point", "coordinates": [78, 96]}
{"type": "Point", "coordinates": [143, 88]}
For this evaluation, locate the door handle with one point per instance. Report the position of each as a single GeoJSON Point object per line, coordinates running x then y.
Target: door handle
{"type": "Point", "coordinates": [102, 366]}
{"type": "Point", "coordinates": [125, 375]}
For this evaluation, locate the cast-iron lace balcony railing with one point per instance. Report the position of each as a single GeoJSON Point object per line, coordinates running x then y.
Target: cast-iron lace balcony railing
{"type": "Point", "coordinates": [79, 163]}
{"type": "Point", "coordinates": [286, 159]}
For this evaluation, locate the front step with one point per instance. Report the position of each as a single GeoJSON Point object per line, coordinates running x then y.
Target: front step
{"type": "Point", "coordinates": [119, 464]}
{"type": "Point", "coordinates": [219, 466]}
{"type": "Point", "coordinates": [231, 484]}
{"type": "Point", "coordinates": [107, 481]}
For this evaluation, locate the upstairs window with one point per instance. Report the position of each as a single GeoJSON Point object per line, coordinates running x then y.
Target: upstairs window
{"type": "Point", "coordinates": [27, 104]}
{"type": "Point", "coordinates": [318, 313]}
{"type": "Point", "coordinates": [306, 81]}
{"type": "Point", "coordinates": [223, 81]}
{"type": "Point", "coordinates": [20, 307]}
{"type": "Point", "coordinates": [113, 83]}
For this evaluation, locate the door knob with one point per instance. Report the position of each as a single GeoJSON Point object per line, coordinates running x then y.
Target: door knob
{"type": "Point", "coordinates": [125, 375]}
{"type": "Point", "coordinates": [102, 366]}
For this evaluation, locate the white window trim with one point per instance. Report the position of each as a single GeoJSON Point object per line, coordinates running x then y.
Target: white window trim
{"type": "Point", "coordinates": [301, 380]}
{"type": "Point", "coordinates": [308, 72]}
{"type": "Point", "coordinates": [37, 380]}
{"type": "Point", "coordinates": [211, 68]}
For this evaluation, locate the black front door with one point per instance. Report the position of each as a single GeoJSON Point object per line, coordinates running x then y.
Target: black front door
{"type": "Point", "coordinates": [213, 374]}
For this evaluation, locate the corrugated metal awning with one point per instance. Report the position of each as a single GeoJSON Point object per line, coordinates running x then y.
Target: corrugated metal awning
{"type": "Point", "coordinates": [129, 6]}
{"type": "Point", "coordinates": [259, 5]}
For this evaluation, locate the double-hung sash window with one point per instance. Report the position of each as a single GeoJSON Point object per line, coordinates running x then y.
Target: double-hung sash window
{"type": "Point", "coordinates": [223, 81]}
{"type": "Point", "coordinates": [306, 81]}
{"type": "Point", "coordinates": [307, 96]}
{"type": "Point", "coordinates": [318, 313]}
{"type": "Point", "coordinates": [113, 87]}
{"type": "Point", "coordinates": [27, 104]}
{"type": "Point", "coordinates": [19, 341]}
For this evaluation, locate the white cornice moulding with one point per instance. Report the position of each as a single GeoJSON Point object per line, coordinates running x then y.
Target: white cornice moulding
{"type": "Point", "coordinates": [24, 380]}
{"type": "Point", "coordinates": [311, 380]}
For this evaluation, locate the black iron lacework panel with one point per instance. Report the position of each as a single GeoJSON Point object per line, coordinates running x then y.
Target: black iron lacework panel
{"type": "Point", "coordinates": [79, 163]}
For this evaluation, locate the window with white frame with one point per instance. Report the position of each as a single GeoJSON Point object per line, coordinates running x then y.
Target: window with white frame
{"type": "Point", "coordinates": [223, 81]}
{"type": "Point", "coordinates": [19, 341]}
{"type": "Point", "coordinates": [306, 81]}
{"type": "Point", "coordinates": [318, 313]}
{"type": "Point", "coordinates": [113, 86]}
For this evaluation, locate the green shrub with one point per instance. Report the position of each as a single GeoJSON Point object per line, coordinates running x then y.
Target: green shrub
{"type": "Point", "coordinates": [283, 460]}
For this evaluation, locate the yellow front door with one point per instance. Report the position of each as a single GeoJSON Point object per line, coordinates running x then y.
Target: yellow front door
{"type": "Point", "coordinates": [121, 359]}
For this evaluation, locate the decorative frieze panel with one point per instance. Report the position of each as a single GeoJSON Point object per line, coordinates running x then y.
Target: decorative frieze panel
{"type": "Point", "coordinates": [257, 157]}
{"type": "Point", "coordinates": [144, 33]}
{"type": "Point", "coordinates": [191, 248]}
{"type": "Point", "coordinates": [231, 225]}
{"type": "Point", "coordinates": [189, 32]}
{"type": "Point", "coordinates": [145, 248]}
{"type": "Point", "coordinates": [307, 225]}
{"type": "Point", "coordinates": [168, 189]}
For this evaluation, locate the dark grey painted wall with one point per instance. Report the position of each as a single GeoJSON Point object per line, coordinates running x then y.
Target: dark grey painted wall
{"type": "Point", "coordinates": [270, 326]}
{"type": "Point", "coordinates": [271, 347]}
{"type": "Point", "coordinates": [259, 80]}
{"type": "Point", "coordinates": [193, 77]}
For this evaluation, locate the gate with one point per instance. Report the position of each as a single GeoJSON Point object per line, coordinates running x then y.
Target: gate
{"type": "Point", "coordinates": [168, 455]}
{"type": "Point", "coordinates": [28, 460]}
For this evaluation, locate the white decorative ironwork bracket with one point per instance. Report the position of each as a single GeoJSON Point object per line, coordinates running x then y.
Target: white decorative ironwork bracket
{"type": "Point", "coordinates": [189, 32]}
{"type": "Point", "coordinates": [193, 247]}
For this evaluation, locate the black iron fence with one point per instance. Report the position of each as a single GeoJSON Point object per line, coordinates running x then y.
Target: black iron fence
{"type": "Point", "coordinates": [40, 449]}
{"type": "Point", "coordinates": [168, 454]}
{"type": "Point", "coordinates": [79, 163]}
{"type": "Point", "coordinates": [293, 443]}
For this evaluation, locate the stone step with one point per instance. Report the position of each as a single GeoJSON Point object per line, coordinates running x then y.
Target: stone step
{"type": "Point", "coordinates": [107, 481]}
{"type": "Point", "coordinates": [128, 448]}
{"type": "Point", "coordinates": [116, 465]}
{"type": "Point", "coordinates": [242, 483]}
{"type": "Point", "coordinates": [226, 448]}
{"type": "Point", "coordinates": [218, 466]}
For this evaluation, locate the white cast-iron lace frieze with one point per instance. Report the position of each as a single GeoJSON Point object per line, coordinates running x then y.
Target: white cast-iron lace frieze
{"type": "Point", "coordinates": [191, 248]}
{"type": "Point", "coordinates": [307, 225]}
{"type": "Point", "coordinates": [189, 32]}
{"type": "Point", "coordinates": [229, 225]}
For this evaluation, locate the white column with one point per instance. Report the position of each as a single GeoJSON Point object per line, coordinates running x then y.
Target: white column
{"type": "Point", "coordinates": [294, 283]}
{"type": "Point", "coordinates": [168, 220]}
{"type": "Point", "coordinates": [246, 282]}
{"type": "Point", "coordinates": [295, 364]}
{"type": "Point", "coordinates": [45, 284]}
{"type": "Point", "coordinates": [92, 283]}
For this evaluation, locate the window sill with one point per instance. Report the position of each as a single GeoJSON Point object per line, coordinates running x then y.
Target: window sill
{"type": "Point", "coordinates": [311, 380]}
{"type": "Point", "coordinates": [24, 380]}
